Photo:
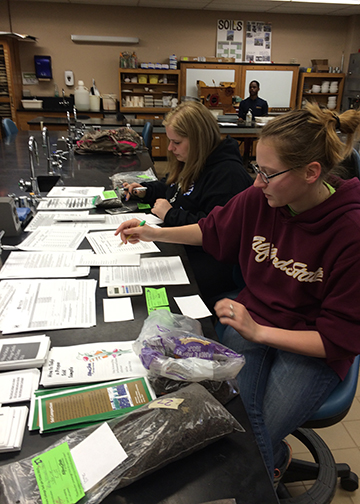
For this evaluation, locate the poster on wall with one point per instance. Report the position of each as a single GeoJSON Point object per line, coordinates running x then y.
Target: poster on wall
{"type": "Point", "coordinates": [258, 42]}
{"type": "Point", "coordinates": [229, 43]}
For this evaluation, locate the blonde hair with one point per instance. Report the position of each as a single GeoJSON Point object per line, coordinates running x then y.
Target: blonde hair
{"type": "Point", "coordinates": [194, 121]}
{"type": "Point", "coordinates": [303, 136]}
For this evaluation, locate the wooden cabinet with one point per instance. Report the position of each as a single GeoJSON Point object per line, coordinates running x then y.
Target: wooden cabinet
{"type": "Point", "coordinates": [305, 89]}
{"type": "Point", "coordinates": [159, 145]}
{"type": "Point", "coordinates": [139, 87]}
{"type": "Point", "coordinates": [10, 78]}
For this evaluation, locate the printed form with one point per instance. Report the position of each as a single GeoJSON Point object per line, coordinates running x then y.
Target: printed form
{"type": "Point", "coordinates": [152, 271]}
{"type": "Point", "coordinates": [50, 304]}
{"type": "Point", "coordinates": [43, 265]}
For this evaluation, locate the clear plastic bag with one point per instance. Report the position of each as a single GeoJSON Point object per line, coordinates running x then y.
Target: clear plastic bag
{"type": "Point", "coordinates": [173, 346]}
{"type": "Point", "coordinates": [152, 437]}
{"type": "Point", "coordinates": [132, 176]}
{"type": "Point", "coordinates": [223, 391]}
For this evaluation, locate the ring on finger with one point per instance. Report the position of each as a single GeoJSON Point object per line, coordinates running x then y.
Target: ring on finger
{"type": "Point", "coordinates": [232, 314]}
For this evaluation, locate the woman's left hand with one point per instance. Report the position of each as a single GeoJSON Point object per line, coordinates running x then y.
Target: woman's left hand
{"type": "Point", "coordinates": [236, 315]}
{"type": "Point", "coordinates": [161, 208]}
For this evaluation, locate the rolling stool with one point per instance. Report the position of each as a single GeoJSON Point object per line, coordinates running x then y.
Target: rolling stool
{"type": "Point", "coordinates": [324, 470]}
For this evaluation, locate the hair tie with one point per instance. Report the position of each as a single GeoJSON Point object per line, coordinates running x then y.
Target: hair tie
{"type": "Point", "coordinates": [337, 119]}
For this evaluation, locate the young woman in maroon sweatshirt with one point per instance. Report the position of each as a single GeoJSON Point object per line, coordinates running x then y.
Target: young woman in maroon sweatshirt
{"type": "Point", "coordinates": [296, 235]}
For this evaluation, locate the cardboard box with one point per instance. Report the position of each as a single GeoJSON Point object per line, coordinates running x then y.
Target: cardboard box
{"type": "Point", "coordinates": [320, 65]}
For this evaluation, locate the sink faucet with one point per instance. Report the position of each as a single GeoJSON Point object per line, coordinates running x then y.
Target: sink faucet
{"type": "Point", "coordinates": [33, 157]}
{"type": "Point", "coordinates": [64, 101]}
{"type": "Point", "coordinates": [46, 145]}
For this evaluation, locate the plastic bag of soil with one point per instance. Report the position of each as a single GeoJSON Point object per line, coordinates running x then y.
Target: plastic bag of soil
{"type": "Point", "coordinates": [162, 431]}
{"type": "Point", "coordinates": [173, 346]}
{"type": "Point", "coordinates": [223, 391]}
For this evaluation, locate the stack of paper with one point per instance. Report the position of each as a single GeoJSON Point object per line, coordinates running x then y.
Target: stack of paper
{"type": "Point", "coordinates": [18, 386]}
{"type": "Point", "coordinates": [12, 426]}
{"type": "Point", "coordinates": [39, 305]}
{"type": "Point", "coordinates": [81, 406]}
{"type": "Point", "coordinates": [91, 362]}
{"type": "Point", "coordinates": [43, 265]}
{"type": "Point", "coordinates": [24, 352]}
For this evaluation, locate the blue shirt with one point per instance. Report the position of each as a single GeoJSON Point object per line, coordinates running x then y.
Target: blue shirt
{"type": "Point", "coordinates": [258, 107]}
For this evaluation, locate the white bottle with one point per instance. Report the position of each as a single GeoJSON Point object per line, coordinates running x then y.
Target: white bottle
{"type": "Point", "coordinates": [82, 97]}
{"type": "Point", "coordinates": [248, 117]}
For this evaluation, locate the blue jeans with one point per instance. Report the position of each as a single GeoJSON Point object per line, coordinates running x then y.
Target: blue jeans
{"type": "Point", "coordinates": [280, 391]}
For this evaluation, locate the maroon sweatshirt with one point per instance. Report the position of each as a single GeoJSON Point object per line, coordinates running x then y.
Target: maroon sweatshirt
{"type": "Point", "coordinates": [301, 272]}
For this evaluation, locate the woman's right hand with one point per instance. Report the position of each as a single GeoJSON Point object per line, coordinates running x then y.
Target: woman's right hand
{"type": "Point", "coordinates": [131, 231]}
{"type": "Point", "coordinates": [133, 189]}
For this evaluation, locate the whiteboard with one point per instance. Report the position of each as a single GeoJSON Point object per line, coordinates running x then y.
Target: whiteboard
{"type": "Point", "coordinates": [275, 86]}
{"type": "Point", "coordinates": [206, 75]}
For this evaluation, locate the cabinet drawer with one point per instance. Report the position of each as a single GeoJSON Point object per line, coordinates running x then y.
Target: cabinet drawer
{"type": "Point", "coordinates": [156, 140]}
{"type": "Point", "coordinates": [149, 116]}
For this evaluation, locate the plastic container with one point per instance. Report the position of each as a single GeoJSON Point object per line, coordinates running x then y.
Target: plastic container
{"type": "Point", "coordinates": [109, 101]}
{"type": "Point", "coordinates": [95, 103]}
{"type": "Point", "coordinates": [153, 79]}
{"type": "Point", "coordinates": [82, 97]}
{"type": "Point", "coordinates": [32, 104]}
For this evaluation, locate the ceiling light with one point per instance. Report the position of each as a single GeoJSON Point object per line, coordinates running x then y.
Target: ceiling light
{"type": "Point", "coordinates": [104, 39]}
{"type": "Point", "coordinates": [342, 2]}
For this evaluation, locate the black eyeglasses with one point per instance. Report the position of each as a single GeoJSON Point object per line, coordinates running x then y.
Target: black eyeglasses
{"type": "Point", "coordinates": [266, 178]}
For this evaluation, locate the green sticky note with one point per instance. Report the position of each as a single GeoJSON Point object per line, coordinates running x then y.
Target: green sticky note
{"type": "Point", "coordinates": [109, 195]}
{"type": "Point", "coordinates": [159, 308]}
{"type": "Point", "coordinates": [144, 177]}
{"type": "Point", "coordinates": [57, 476]}
{"type": "Point", "coordinates": [143, 206]}
{"type": "Point", "coordinates": [156, 298]}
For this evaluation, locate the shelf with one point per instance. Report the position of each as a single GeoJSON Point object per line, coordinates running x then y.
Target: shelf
{"type": "Point", "coordinates": [307, 80]}
{"type": "Point", "coordinates": [319, 94]}
{"type": "Point", "coordinates": [148, 71]}
{"type": "Point", "coordinates": [146, 110]}
{"type": "Point", "coordinates": [132, 93]}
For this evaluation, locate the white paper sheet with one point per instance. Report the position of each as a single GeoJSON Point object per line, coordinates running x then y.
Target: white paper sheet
{"type": "Point", "coordinates": [18, 386]}
{"type": "Point", "coordinates": [53, 218]}
{"type": "Point", "coordinates": [7, 290]}
{"type": "Point", "coordinates": [116, 259]}
{"type": "Point", "coordinates": [66, 204]}
{"type": "Point", "coordinates": [43, 265]}
{"type": "Point", "coordinates": [192, 306]}
{"type": "Point", "coordinates": [117, 310]}
{"type": "Point", "coordinates": [50, 304]}
{"type": "Point", "coordinates": [13, 420]}
{"type": "Point", "coordinates": [74, 192]}
{"type": "Point", "coordinates": [106, 243]}
{"type": "Point", "coordinates": [152, 271]}
{"type": "Point", "coordinates": [51, 238]}
{"type": "Point", "coordinates": [90, 362]}
{"type": "Point", "coordinates": [104, 448]}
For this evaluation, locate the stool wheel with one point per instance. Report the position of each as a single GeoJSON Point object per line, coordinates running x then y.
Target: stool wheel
{"type": "Point", "coordinates": [350, 483]}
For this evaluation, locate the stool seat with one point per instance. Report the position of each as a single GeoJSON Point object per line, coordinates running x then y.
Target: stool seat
{"type": "Point", "coordinates": [324, 470]}
{"type": "Point", "coordinates": [337, 405]}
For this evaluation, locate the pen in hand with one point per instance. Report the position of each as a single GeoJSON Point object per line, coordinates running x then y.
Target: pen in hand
{"type": "Point", "coordinates": [141, 224]}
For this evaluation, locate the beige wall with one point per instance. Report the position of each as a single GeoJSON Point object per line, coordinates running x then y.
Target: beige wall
{"type": "Point", "coordinates": [161, 32]}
